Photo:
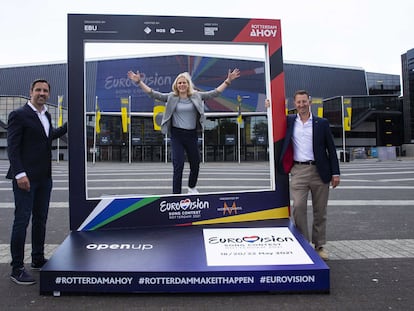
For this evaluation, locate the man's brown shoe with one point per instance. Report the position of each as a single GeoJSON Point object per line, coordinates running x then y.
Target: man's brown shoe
{"type": "Point", "coordinates": [322, 253]}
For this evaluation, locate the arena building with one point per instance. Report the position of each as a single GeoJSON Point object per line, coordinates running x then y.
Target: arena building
{"type": "Point", "coordinates": [365, 109]}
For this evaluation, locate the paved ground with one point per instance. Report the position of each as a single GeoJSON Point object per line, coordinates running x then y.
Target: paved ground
{"type": "Point", "coordinates": [370, 232]}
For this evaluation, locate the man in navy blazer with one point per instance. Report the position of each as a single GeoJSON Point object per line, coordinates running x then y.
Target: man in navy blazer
{"type": "Point", "coordinates": [29, 146]}
{"type": "Point", "coordinates": [309, 155]}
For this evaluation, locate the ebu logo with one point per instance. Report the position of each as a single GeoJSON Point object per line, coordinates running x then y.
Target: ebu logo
{"type": "Point", "coordinates": [90, 27]}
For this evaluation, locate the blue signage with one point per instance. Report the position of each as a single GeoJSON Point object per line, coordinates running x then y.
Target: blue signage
{"type": "Point", "coordinates": [158, 72]}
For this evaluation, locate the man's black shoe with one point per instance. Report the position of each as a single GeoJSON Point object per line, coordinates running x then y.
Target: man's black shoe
{"type": "Point", "coordinates": [37, 265]}
{"type": "Point", "coordinates": [22, 277]}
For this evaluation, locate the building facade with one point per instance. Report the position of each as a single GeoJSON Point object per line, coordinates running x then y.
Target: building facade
{"type": "Point", "coordinates": [224, 138]}
{"type": "Point", "coordinates": [407, 61]}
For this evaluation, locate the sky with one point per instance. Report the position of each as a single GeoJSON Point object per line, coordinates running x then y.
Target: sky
{"type": "Point", "coordinates": [370, 34]}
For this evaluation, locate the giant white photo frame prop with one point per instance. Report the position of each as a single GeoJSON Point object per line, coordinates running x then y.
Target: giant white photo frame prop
{"type": "Point", "coordinates": [110, 212]}
{"type": "Point", "coordinates": [238, 241]}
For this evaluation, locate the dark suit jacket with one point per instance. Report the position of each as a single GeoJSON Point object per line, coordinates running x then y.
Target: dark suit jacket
{"type": "Point", "coordinates": [28, 147]}
{"type": "Point", "coordinates": [324, 149]}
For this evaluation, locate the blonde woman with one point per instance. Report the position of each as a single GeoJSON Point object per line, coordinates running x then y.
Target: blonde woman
{"type": "Point", "coordinates": [184, 113]}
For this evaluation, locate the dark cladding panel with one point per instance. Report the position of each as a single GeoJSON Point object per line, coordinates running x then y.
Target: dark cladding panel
{"type": "Point", "coordinates": [17, 80]}
{"type": "Point", "coordinates": [324, 81]}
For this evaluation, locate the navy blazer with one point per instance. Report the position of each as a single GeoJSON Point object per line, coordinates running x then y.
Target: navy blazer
{"type": "Point", "coordinates": [28, 147]}
{"type": "Point", "coordinates": [324, 149]}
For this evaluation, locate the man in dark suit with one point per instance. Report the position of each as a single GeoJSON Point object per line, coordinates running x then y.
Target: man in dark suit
{"type": "Point", "coordinates": [309, 154]}
{"type": "Point", "coordinates": [29, 146]}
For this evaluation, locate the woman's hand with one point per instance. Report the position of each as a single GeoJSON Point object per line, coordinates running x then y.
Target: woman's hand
{"type": "Point", "coordinates": [136, 77]}
{"type": "Point", "coordinates": [233, 74]}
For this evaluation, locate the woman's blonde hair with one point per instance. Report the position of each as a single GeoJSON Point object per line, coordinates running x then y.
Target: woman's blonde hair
{"type": "Point", "coordinates": [186, 76]}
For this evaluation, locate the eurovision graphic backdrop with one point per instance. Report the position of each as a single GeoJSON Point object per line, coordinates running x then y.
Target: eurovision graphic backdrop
{"type": "Point", "coordinates": [121, 212]}
{"type": "Point", "coordinates": [107, 80]}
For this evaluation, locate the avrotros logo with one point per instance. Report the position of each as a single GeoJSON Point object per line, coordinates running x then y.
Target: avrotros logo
{"type": "Point", "coordinates": [266, 31]}
{"type": "Point", "coordinates": [184, 204]}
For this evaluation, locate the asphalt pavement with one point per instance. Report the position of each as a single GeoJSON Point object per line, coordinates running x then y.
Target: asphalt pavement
{"type": "Point", "coordinates": [370, 232]}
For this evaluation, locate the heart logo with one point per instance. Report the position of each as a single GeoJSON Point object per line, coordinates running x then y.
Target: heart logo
{"type": "Point", "coordinates": [251, 239]}
{"type": "Point", "coordinates": [184, 204]}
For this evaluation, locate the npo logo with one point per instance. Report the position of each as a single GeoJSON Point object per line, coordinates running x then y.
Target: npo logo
{"type": "Point", "coordinates": [184, 204]}
{"type": "Point", "coordinates": [266, 31]}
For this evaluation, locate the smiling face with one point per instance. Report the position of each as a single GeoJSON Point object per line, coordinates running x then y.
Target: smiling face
{"type": "Point", "coordinates": [182, 86]}
{"type": "Point", "coordinates": [39, 94]}
{"type": "Point", "coordinates": [302, 105]}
